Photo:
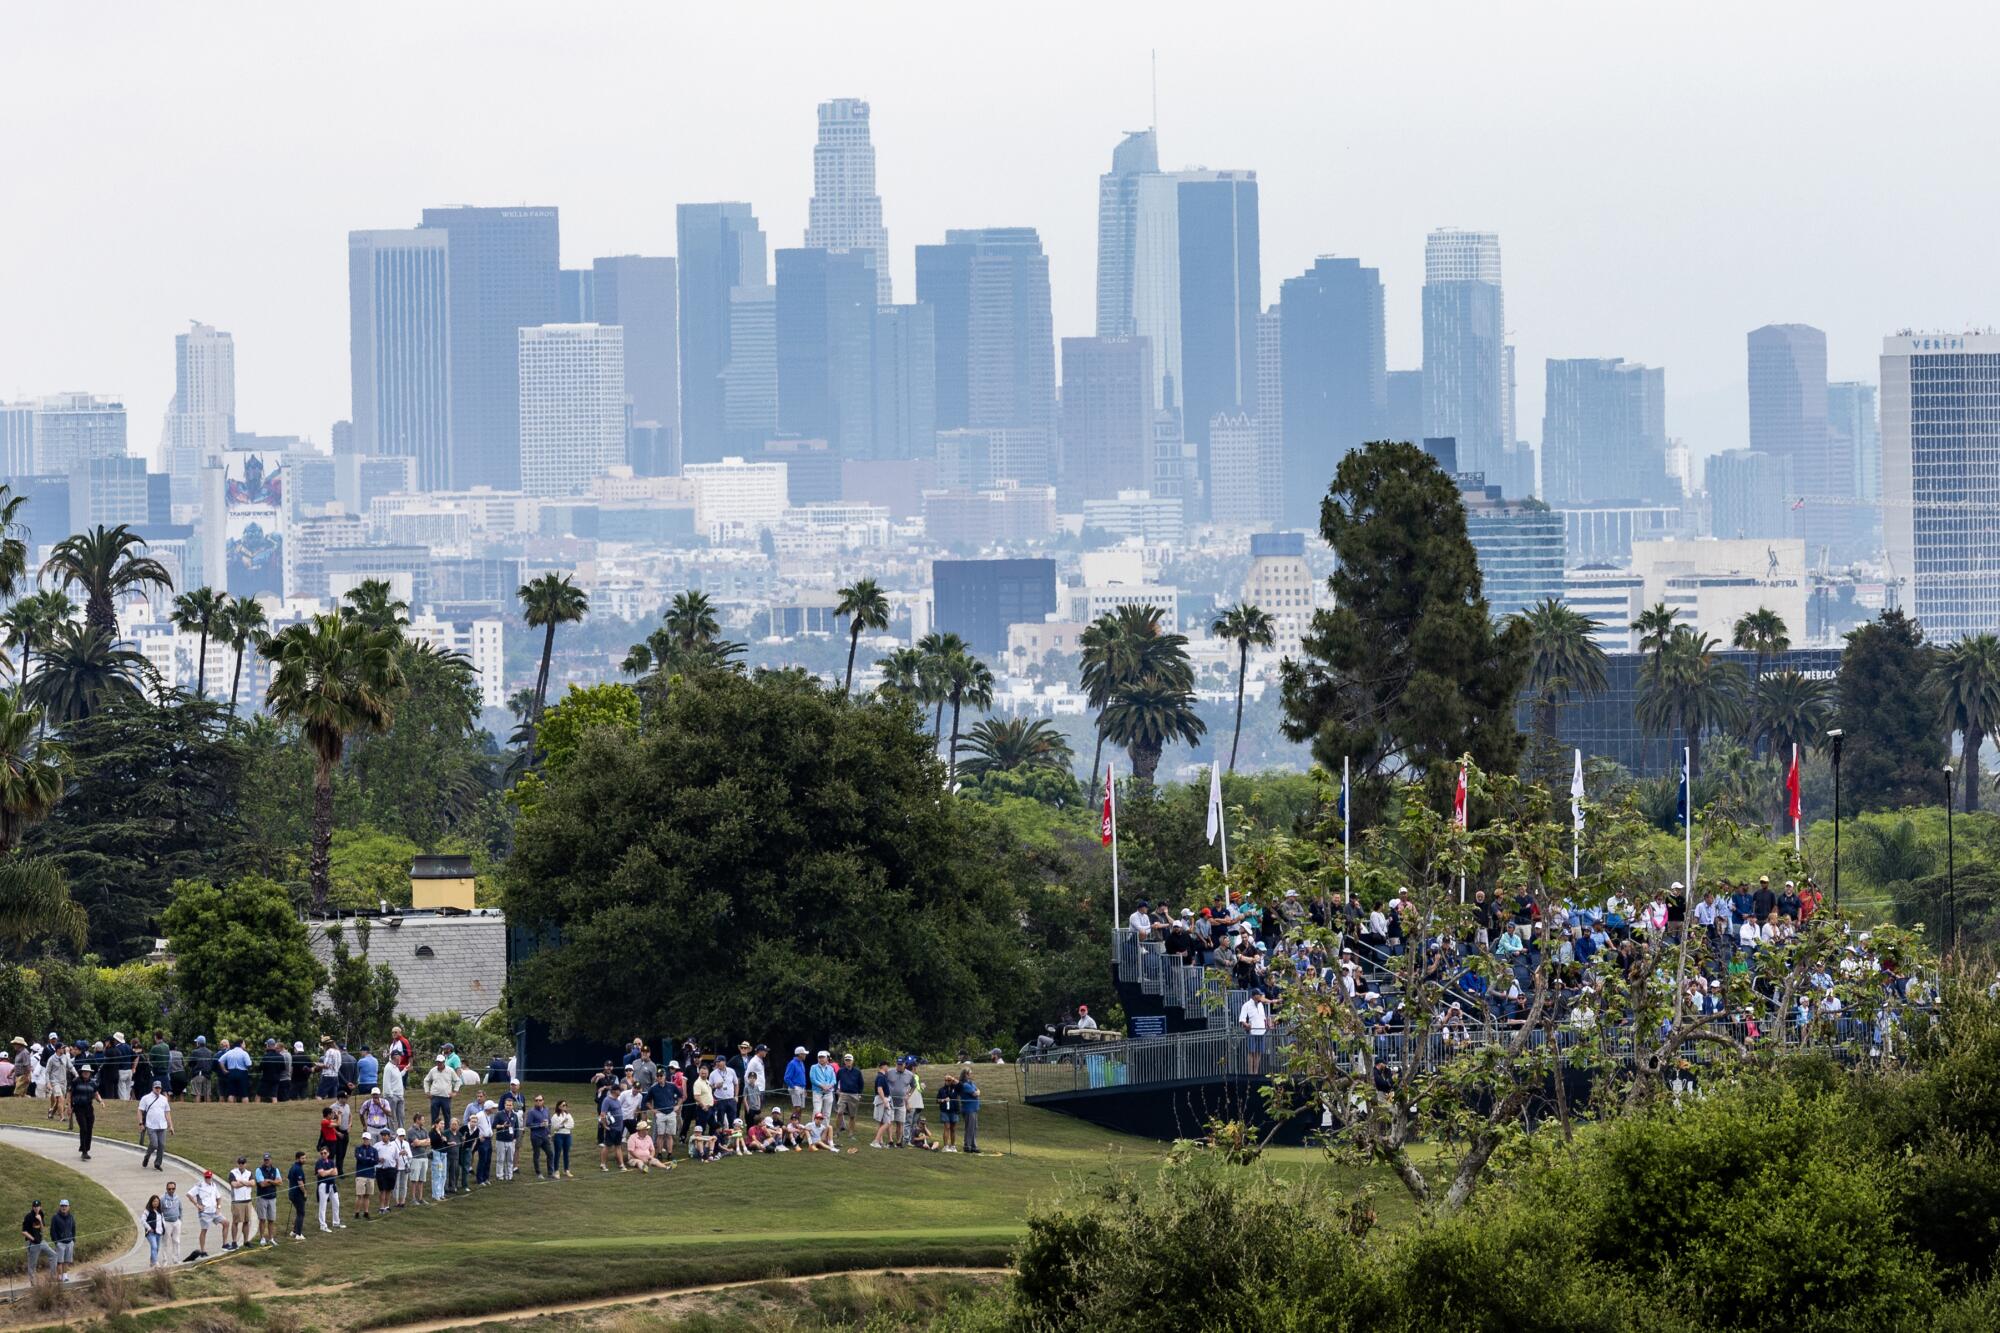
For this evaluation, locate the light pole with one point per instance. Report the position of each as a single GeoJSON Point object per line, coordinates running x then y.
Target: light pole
{"type": "Point", "coordinates": [1834, 736]}
{"type": "Point", "coordinates": [1950, 868]}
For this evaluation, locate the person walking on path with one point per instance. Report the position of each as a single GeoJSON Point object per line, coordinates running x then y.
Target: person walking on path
{"type": "Point", "coordinates": [83, 1100]}
{"type": "Point", "coordinates": [170, 1214]}
{"type": "Point", "coordinates": [34, 1230]}
{"type": "Point", "coordinates": [153, 1223]}
{"type": "Point", "coordinates": [62, 1235]}
{"type": "Point", "coordinates": [156, 1121]}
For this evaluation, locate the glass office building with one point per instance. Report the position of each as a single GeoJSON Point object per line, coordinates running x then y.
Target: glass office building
{"type": "Point", "coordinates": [1941, 477]}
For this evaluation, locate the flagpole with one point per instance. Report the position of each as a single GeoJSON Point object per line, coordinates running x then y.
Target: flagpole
{"type": "Point", "coordinates": [1789, 801]}
{"type": "Point", "coordinates": [1462, 813]}
{"type": "Point", "coordinates": [1222, 827]}
{"type": "Point", "coordinates": [1111, 799]}
{"type": "Point", "coordinates": [1346, 835]}
{"type": "Point", "coordinates": [1687, 821]}
{"type": "Point", "coordinates": [1576, 822]}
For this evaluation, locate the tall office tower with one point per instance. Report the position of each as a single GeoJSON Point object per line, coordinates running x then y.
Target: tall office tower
{"type": "Point", "coordinates": [73, 427]}
{"type": "Point", "coordinates": [399, 349]}
{"type": "Point", "coordinates": [1788, 417]}
{"type": "Point", "coordinates": [1171, 475]}
{"type": "Point", "coordinates": [750, 376]}
{"type": "Point", "coordinates": [905, 381]}
{"type": "Point", "coordinates": [1138, 154]}
{"type": "Point", "coordinates": [1236, 468]}
{"type": "Point", "coordinates": [579, 297]}
{"type": "Point", "coordinates": [846, 212]}
{"type": "Point", "coordinates": [721, 253]}
{"type": "Point", "coordinates": [1857, 433]}
{"type": "Point", "coordinates": [504, 276]}
{"type": "Point", "coordinates": [1405, 417]}
{"type": "Point", "coordinates": [995, 331]}
{"type": "Point", "coordinates": [1271, 413]}
{"type": "Point", "coordinates": [1941, 477]}
{"type": "Point", "coordinates": [1107, 417]}
{"type": "Point", "coordinates": [637, 293]}
{"type": "Point", "coordinates": [203, 414]}
{"type": "Point", "coordinates": [1749, 494]}
{"type": "Point", "coordinates": [1196, 290]}
{"type": "Point", "coordinates": [110, 491]}
{"type": "Point", "coordinates": [1464, 346]}
{"type": "Point", "coordinates": [1604, 433]}
{"type": "Point", "coordinates": [825, 348]}
{"type": "Point", "coordinates": [17, 439]}
{"type": "Point", "coordinates": [1334, 366]}
{"type": "Point", "coordinates": [572, 405]}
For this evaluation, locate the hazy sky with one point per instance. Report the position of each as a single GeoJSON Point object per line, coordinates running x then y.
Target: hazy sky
{"type": "Point", "coordinates": [1664, 178]}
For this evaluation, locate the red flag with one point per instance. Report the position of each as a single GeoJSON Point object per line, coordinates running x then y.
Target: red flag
{"type": "Point", "coordinates": [1458, 799]}
{"type": "Point", "coordinates": [1792, 785]}
{"type": "Point", "coordinates": [1107, 826]}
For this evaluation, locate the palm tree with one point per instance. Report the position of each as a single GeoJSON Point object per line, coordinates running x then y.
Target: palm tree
{"type": "Point", "coordinates": [335, 676]}
{"type": "Point", "coordinates": [1127, 649]}
{"type": "Point", "coordinates": [83, 666]}
{"type": "Point", "coordinates": [937, 648]}
{"type": "Point", "coordinates": [688, 640]}
{"type": "Point", "coordinates": [243, 624]}
{"type": "Point", "coordinates": [690, 619]}
{"type": "Point", "coordinates": [197, 612]}
{"type": "Point", "coordinates": [1249, 627]}
{"type": "Point", "coordinates": [31, 773]}
{"type": "Point", "coordinates": [549, 601]}
{"type": "Point", "coordinates": [1761, 632]}
{"type": "Point", "coordinates": [32, 622]}
{"type": "Point", "coordinates": [967, 680]}
{"type": "Point", "coordinates": [867, 607]}
{"type": "Point", "coordinates": [1011, 745]}
{"type": "Point", "coordinates": [13, 542]}
{"type": "Point", "coordinates": [1967, 676]}
{"type": "Point", "coordinates": [903, 674]}
{"type": "Point", "coordinates": [375, 604]}
{"type": "Point", "coordinates": [1562, 657]}
{"type": "Point", "coordinates": [1685, 687]}
{"type": "Point", "coordinates": [1786, 709]}
{"type": "Point", "coordinates": [35, 906]}
{"type": "Point", "coordinates": [1655, 626]}
{"type": "Point", "coordinates": [105, 563]}
{"type": "Point", "coordinates": [1145, 717]}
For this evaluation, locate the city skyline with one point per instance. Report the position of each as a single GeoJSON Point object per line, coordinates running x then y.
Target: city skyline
{"type": "Point", "coordinates": [106, 289]}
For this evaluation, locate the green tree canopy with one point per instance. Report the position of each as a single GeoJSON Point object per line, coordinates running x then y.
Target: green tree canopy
{"type": "Point", "coordinates": [1406, 671]}
{"type": "Point", "coordinates": [241, 950]}
{"type": "Point", "coordinates": [1888, 708]}
{"type": "Point", "coordinates": [582, 711]}
{"type": "Point", "coordinates": [762, 858]}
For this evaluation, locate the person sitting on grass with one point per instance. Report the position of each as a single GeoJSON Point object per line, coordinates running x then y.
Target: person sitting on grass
{"type": "Point", "coordinates": [819, 1135]}
{"type": "Point", "coordinates": [701, 1144]}
{"type": "Point", "coordinates": [639, 1151]}
{"type": "Point", "coordinates": [735, 1145]}
{"type": "Point", "coordinates": [795, 1131]}
{"type": "Point", "coordinates": [920, 1135]}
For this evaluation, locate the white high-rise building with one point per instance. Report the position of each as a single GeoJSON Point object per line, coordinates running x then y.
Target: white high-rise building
{"type": "Point", "coordinates": [202, 417]}
{"type": "Point", "coordinates": [846, 212]}
{"type": "Point", "coordinates": [483, 641]}
{"type": "Point", "coordinates": [735, 500]}
{"type": "Point", "coordinates": [1452, 255]}
{"type": "Point", "coordinates": [1941, 478]}
{"type": "Point", "coordinates": [73, 428]}
{"type": "Point", "coordinates": [572, 405]}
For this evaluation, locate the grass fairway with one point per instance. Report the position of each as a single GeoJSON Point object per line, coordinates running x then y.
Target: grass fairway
{"type": "Point", "coordinates": [532, 1243]}
{"type": "Point", "coordinates": [104, 1228]}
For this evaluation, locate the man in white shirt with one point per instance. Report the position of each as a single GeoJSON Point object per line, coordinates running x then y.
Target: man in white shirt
{"type": "Point", "coordinates": [392, 1090]}
{"type": "Point", "coordinates": [753, 1082]}
{"type": "Point", "coordinates": [1255, 1016]}
{"type": "Point", "coordinates": [1141, 921]}
{"type": "Point", "coordinates": [242, 1223]}
{"type": "Point", "coordinates": [1083, 1019]}
{"type": "Point", "coordinates": [329, 1071]}
{"type": "Point", "coordinates": [156, 1121]}
{"type": "Point", "coordinates": [207, 1201]}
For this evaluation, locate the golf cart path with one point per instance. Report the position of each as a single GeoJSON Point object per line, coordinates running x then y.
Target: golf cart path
{"type": "Point", "coordinates": [114, 1165]}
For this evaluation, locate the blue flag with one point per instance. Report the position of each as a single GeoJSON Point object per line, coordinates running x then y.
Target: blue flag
{"type": "Point", "coordinates": [1343, 805]}
{"type": "Point", "coordinates": [1683, 811]}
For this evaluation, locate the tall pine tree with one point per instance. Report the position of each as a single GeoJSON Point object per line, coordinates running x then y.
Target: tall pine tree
{"type": "Point", "coordinates": [1894, 750]}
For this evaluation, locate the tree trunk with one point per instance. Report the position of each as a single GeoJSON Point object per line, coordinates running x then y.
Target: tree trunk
{"type": "Point", "coordinates": [1242, 665]}
{"type": "Point", "coordinates": [951, 768]}
{"type": "Point", "coordinates": [1145, 761]}
{"type": "Point", "coordinates": [542, 677]}
{"type": "Point", "coordinates": [1097, 756]}
{"type": "Point", "coordinates": [1975, 741]}
{"type": "Point", "coordinates": [98, 615]}
{"type": "Point", "coordinates": [201, 666]}
{"type": "Point", "coordinates": [322, 831]}
{"type": "Point", "coordinates": [937, 727]}
{"type": "Point", "coordinates": [853, 642]}
{"type": "Point", "coordinates": [236, 683]}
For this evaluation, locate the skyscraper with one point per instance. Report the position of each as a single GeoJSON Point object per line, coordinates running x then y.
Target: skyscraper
{"type": "Point", "coordinates": [1236, 468]}
{"type": "Point", "coordinates": [750, 375]}
{"type": "Point", "coordinates": [905, 381]}
{"type": "Point", "coordinates": [1604, 433]}
{"type": "Point", "coordinates": [1405, 419]}
{"type": "Point", "coordinates": [1748, 495]}
{"type": "Point", "coordinates": [1138, 154]}
{"type": "Point", "coordinates": [1107, 417]}
{"type": "Point", "coordinates": [572, 408]}
{"type": "Point", "coordinates": [1221, 297]}
{"type": "Point", "coordinates": [17, 439]}
{"type": "Point", "coordinates": [71, 428]}
{"type": "Point", "coordinates": [1271, 413]}
{"type": "Point", "coordinates": [638, 294]}
{"type": "Point", "coordinates": [1853, 419]}
{"type": "Point", "coordinates": [989, 287]}
{"type": "Point", "coordinates": [1941, 477]}
{"type": "Point", "coordinates": [1464, 346]}
{"type": "Point", "coordinates": [721, 251]}
{"type": "Point", "coordinates": [846, 213]}
{"type": "Point", "coordinates": [399, 348]}
{"type": "Point", "coordinates": [825, 348]}
{"type": "Point", "coordinates": [578, 295]}
{"type": "Point", "coordinates": [202, 416]}
{"type": "Point", "coordinates": [503, 278]}
{"type": "Point", "coordinates": [1334, 368]}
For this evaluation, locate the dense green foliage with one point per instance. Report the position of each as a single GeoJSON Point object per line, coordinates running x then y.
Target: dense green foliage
{"type": "Point", "coordinates": [242, 963]}
{"type": "Point", "coordinates": [1894, 747]}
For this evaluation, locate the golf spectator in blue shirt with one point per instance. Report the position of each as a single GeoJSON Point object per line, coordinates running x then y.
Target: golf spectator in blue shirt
{"type": "Point", "coordinates": [795, 1078]}
{"type": "Point", "coordinates": [825, 1081]}
{"type": "Point", "coordinates": [367, 1069]}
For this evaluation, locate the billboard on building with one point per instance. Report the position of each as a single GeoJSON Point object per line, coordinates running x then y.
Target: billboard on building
{"type": "Point", "coordinates": [253, 490]}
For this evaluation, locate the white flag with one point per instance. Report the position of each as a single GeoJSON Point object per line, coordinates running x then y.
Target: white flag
{"type": "Point", "coordinates": [1576, 794]}
{"type": "Point", "coordinates": [1214, 802]}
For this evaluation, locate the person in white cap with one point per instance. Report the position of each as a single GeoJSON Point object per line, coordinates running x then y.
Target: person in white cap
{"type": "Point", "coordinates": [824, 1080]}
{"type": "Point", "coordinates": [439, 1084]}
{"type": "Point", "coordinates": [795, 1078]}
{"type": "Point", "coordinates": [391, 1076]}
{"type": "Point", "coordinates": [482, 1126]}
